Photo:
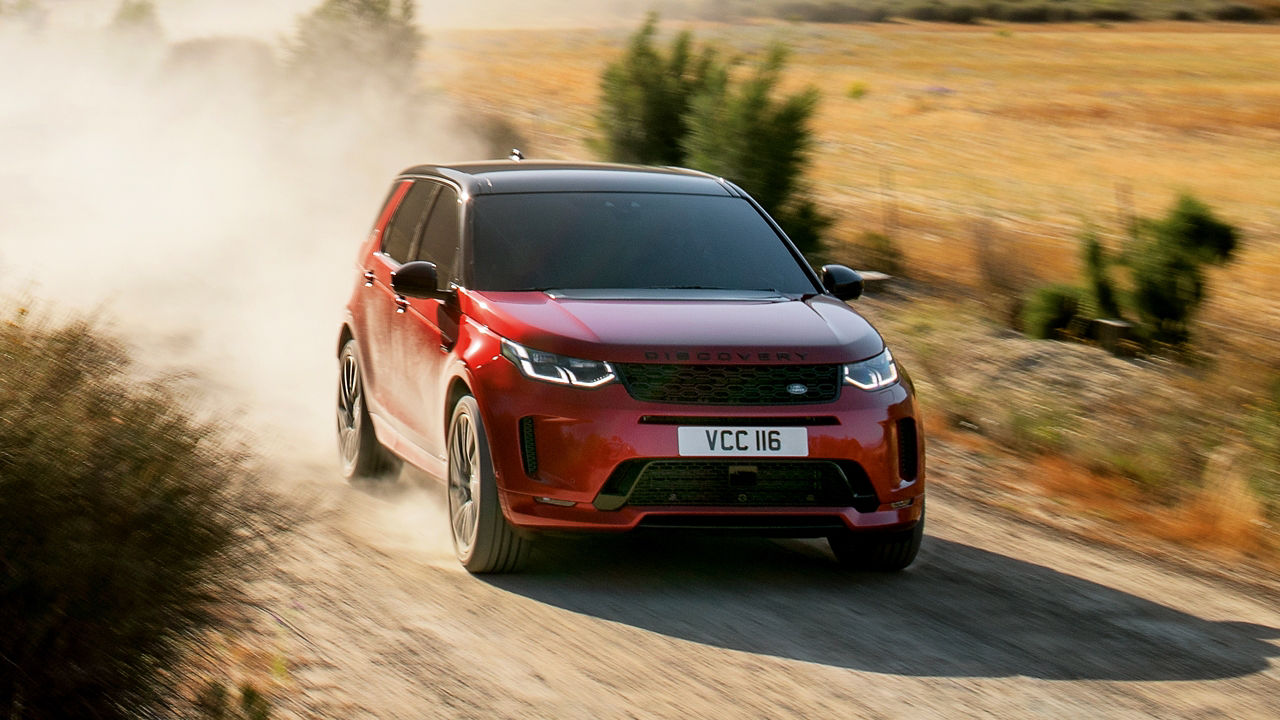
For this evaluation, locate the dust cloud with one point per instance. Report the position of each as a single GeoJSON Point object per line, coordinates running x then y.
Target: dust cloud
{"type": "Point", "coordinates": [173, 183]}
{"type": "Point", "coordinates": [174, 187]}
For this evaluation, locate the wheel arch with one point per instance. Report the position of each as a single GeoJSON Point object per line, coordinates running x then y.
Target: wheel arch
{"type": "Point", "coordinates": [344, 336]}
{"type": "Point", "coordinates": [458, 386]}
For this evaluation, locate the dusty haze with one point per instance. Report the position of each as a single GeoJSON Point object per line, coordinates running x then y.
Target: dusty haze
{"type": "Point", "coordinates": [167, 186]}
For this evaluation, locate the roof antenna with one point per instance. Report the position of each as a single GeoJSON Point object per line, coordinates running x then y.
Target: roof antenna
{"type": "Point", "coordinates": [516, 155]}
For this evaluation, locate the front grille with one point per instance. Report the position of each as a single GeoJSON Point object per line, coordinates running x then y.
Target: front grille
{"type": "Point", "coordinates": [731, 384]}
{"type": "Point", "coordinates": [735, 483]}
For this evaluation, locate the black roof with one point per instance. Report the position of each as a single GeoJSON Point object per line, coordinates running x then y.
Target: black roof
{"type": "Point", "coordinates": [526, 176]}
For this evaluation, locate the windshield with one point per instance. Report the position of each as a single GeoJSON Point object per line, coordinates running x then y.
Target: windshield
{"type": "Point", "coordinates": [538, 241]}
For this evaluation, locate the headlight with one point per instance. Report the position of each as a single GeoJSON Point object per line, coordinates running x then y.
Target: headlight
{"type": "Point", "coordinates": [878, 372]}
{"type": "Point", "coordinates": [558, 369]}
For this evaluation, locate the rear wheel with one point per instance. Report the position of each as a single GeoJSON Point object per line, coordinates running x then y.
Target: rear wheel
{"type": "Point", "coordinates": [482, 538]}
{"type": "Point", "coordinates": [363, 457]}
{"type": "Point", "coordinates": [879, 551]}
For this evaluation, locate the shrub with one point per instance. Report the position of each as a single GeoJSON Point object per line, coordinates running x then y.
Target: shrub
{"type": "Point", "coordinates": [1166, 261]}
{"type": "Point", "coordinates": [1096, 275]}
{"type": "Point", "coordinates": [1192, 226]}
{"type": "Point", "coordinates": [744, 132]}
{"type": "Point", "coordinates": [646, 97]}
{"type": "Point", "coordinates": [125, 525]}
{"type": "Point", "coordinates": [1238, 13]}
{"type": "Point", "coordinates": [1051, 311]}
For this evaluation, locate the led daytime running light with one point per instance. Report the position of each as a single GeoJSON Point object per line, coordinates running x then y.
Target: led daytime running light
{"type": "Point", "coordinates": [872, 374]}
{"type": "Point", "coordinates": [558, 369]}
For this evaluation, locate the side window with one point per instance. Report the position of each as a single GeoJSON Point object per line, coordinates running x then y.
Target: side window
{"type": "Point", "coordinates": [440, 237]}
{"type": "Point", "coordinates": [398, 240]}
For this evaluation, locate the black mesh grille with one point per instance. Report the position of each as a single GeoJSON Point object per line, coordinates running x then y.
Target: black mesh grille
{"type": "Point", "coordinates": [528, 446]}
{"type": "Point", "coordinates": [734, 483]}
{"type": "Point", "coordinates": [908, 454]}
{"type": "Point", "coordinates": [731, 384]}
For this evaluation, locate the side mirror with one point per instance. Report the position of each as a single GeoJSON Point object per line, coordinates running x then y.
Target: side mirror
{"type": "Point", "coordinates": [842, 282]}
{"type": "Point", "coordinates": [418, 279]}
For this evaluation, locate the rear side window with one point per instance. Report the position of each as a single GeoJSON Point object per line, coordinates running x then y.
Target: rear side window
{"type": "Point", "coordinates": [439, 243]}
{"type": "Point", "coordinates": [398, 240]}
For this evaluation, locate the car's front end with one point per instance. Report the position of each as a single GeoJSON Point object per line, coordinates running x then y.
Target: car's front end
{"type": "Point", "coordinates": [791, 438]}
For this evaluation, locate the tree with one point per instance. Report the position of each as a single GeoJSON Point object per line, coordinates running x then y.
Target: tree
{"type": "Point", "coordinates": [646, 96]}
{"type": "Point", "coordinates": [352, 49]}
{"type": "Point", "coordinates": [744, 133]}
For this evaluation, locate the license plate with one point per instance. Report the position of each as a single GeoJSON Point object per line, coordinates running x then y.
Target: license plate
{"type": "Point", "coordinates": [744, 441]}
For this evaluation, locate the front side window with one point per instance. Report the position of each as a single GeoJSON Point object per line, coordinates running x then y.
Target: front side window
{"type": "Point", "coordinates": [605, 240]}
{"type": "Point", "coordinates": [439, 242]}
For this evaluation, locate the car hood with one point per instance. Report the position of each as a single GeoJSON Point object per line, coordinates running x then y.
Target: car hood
{"type": "Point", "coordinates": [713, 330]}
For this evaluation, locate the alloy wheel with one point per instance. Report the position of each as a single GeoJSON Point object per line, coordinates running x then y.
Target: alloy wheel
{"type": "Point", "coordinates": [464, 482]}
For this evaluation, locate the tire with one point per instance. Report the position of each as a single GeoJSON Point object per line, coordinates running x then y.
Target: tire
{"type": "Point", "coordinates": [881, 551]}
{"type": "Point", "coordinates": [482, 538]}
{"type": "Point", "coordinates": [363, 457]}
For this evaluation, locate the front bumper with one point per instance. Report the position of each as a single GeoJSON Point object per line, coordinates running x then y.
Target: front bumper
{"type": "Point", "coordinates": [580, 438]}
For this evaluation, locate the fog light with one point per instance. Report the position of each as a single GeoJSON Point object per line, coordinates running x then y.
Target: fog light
{"type": "Point", "coordinates": [901, 504]}
{"type": "Point", "coordinates": [556, 502]}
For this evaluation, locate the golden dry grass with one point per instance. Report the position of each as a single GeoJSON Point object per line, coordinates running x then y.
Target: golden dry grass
{"type": "Point", "coordinates": [1035, 130]}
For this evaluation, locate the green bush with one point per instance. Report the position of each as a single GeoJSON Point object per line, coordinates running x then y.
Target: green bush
{"type": "Point", "coordinates": [685, 107]}
{"type": "Point", "coordinates": [744, 132]}
{"type": "Point", "coordinates": [124, 525]}
{"type": "Point", "coordinates": [1051, 311]}
{"type": "Point", "coordinates": [1166, 260]}
{"type": "Point", "coordinates": [646, 97]}
{"type": "Point", "coordinates": [1238, 13]}
{"type": "Point", "coordinates": [1099, 281]}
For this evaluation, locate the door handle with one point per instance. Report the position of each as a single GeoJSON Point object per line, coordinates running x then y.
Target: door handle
{"type": "Point", "coordinates": [401, 304]}
{"type": "Point", "coordinates": [368, 278]}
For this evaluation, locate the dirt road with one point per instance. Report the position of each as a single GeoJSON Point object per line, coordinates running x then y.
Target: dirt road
{"type": "Point", "coordinates": [375, 619]}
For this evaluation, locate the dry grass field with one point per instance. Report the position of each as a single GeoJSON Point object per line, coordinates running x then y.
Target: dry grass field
{"type": "Point", "coordinates": [938, 132]}
{"type": "Point", "coordinates": [1020, 135]}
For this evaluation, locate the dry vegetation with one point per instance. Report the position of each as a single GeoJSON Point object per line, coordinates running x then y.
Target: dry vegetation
{"type": "Point", "coordinates": [983, 152]}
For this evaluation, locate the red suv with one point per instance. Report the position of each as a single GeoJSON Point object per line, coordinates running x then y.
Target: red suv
{"type": "Point", "coordinates": [583, 347]}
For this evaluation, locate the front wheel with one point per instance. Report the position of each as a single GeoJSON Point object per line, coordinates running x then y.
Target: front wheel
{"type": "Point", "coordinates": [879, 551]}
{"type": "Point", "coordinates": [482, 538]}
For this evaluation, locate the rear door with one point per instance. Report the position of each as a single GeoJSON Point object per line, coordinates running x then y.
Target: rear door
{"type": "Point", "coordinates": [428, 328]}
{"type": "Point", "coordinates": [391, 391]}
